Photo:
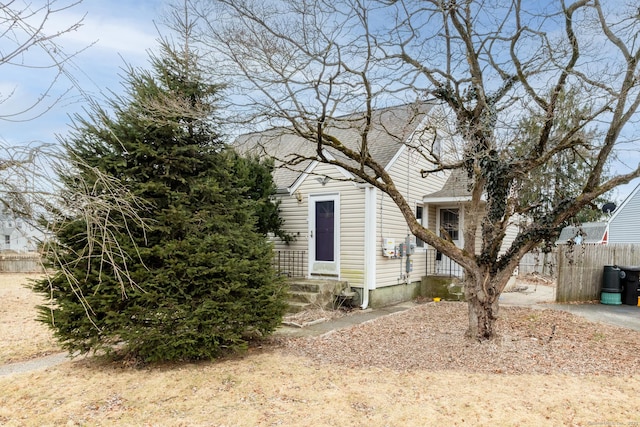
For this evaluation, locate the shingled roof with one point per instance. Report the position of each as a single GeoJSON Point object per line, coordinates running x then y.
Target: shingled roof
{"type": "Point", "coordinates": [390, 128]}
{"type": "Point", "coordinates": [590, 232]}
{"type": "Point", "coordinates": [456, 188]}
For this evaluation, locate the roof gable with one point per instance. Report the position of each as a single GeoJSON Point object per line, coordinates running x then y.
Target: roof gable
{"type": "Point", "coordinates": [457, 188]}
{"type": "Point", "coordinates": [390, 128]}
{"type": "Point", "coordinates": [625, 202]}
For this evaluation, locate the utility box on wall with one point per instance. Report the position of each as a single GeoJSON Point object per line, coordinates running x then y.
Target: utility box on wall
{"type": "Point", "coordinates": [389, 247]}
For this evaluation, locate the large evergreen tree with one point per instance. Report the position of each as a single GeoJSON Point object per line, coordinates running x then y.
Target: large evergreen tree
{"type": "Point", "coordinates": [564, 175]}
{"type": "Point", "coordinates": [197, 280]}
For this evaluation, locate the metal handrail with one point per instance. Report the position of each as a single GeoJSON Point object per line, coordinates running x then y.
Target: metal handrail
{"type": "Point", "coordinates": [290, 263]}
{"type": "Point", "coordinates": [439, 264]}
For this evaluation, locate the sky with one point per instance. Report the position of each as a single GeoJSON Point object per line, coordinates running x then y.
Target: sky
{"type": "Point", "coordinates": [115, 33]}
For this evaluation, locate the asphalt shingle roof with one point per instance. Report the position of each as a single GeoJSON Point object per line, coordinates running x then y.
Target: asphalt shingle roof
{"type": "Point", "coordinates": [594, 232]}
{"type": "Point", "coordinates": [456, 186]}
{"type": "Point", "coordinates": [390, 128]}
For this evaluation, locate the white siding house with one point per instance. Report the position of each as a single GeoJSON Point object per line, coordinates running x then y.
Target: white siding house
{"type": "Point", "coordinates": [624, 224]}
{"type": "Point", "coordinates": [17, 235]}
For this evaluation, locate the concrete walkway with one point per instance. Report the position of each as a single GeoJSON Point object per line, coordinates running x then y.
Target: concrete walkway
{"type": "Point", "coordinates": [34, 364]}
{"type": "Point", "coordinates": [351, 319]}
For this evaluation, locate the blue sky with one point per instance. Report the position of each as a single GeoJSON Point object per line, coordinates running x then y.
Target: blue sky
{"type": "Point", "coordinates": [122, 32]}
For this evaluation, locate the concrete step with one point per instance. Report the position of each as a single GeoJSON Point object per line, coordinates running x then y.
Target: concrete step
{"type": "Point", "coordinates": [308, 297]}
{"type": "Point", "coordinates": [314, 293]}
{"type": "Point", "coordinates": [297, 306]}
{"type": "Point", "coordinates": [303, 287]}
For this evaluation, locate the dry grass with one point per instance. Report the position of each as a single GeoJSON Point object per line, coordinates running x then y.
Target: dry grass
{"type": "Point", "coordinates": [276, 389]}
{"type": "Point", "coordinates": [21, 337]}
{"type": "Point", "coordinates": [283, 384]}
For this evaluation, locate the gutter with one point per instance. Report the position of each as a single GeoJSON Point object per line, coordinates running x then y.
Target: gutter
{"type": "Point", "coordinates": [370, 244]}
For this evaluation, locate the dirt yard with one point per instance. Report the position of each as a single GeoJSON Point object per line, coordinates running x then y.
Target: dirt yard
{"type": "Point", "coordinates": [409, 369]}
{"type": "Point", "coordinates": [21, 337]}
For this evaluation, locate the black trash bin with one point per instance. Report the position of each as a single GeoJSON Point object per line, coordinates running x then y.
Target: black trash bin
{"type": "Point", "coordinates": [611, 285]}
{"type": "Point", "coordinates": [630, 284]}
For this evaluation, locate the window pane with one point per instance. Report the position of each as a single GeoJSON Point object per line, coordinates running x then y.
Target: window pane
{"type": "Point", "coordinates": [450, 222]}
{"type": "Point", "coordinates": [325, 231]}
{"type": "Point", "coordinates": [419, 243]}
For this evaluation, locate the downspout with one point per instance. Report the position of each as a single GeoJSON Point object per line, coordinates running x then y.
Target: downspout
{"type": "Point", "coordinates": [370, 244]}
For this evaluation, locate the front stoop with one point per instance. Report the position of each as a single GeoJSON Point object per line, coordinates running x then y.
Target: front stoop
{"type": "Point", "coordinates": [306, 294]}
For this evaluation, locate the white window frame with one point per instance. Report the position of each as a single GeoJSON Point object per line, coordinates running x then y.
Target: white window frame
{"type": "Point", "coordinates": [420, 244]}
{"type": "Point", "coordinates": [460, 241]}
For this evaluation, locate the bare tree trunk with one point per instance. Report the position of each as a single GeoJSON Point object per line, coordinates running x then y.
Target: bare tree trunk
{"type": "Point", "coordinates": [482, 318]}
{"type": "Point", "coordinates": [482, 296]}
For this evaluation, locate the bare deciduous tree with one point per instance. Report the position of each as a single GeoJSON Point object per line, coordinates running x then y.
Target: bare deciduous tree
{"type": "Point", "coordinates": [489, 63]}
{"type": "Point", "coordinates": [30, 38]}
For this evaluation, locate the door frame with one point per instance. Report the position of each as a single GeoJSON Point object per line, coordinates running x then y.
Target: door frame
{"type": "Point", "coordinates": [445, 264]}
{"type": "Point", "coordinates": [324, 268]}
{"type": "Point", "coordinates": [460, 242]}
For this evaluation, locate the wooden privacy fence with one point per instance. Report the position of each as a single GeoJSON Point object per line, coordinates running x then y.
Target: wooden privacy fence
{"type": "Point", "coordinates": [540, 263]}
{"type": "Point", "coordinates": [580, 268]}
{"type": "Point", "coordinates": [20, 263]}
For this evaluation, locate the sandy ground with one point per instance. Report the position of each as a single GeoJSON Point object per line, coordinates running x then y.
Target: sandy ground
{"type": "Point", "coordinates": [22, 338]}
{"type": "Point", "coordinates": [304, 382]}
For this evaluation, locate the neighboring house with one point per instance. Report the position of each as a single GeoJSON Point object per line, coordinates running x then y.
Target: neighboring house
{"type": "Point", "coordinates": [623, 224]}
{"type": "Point", "coordinates": [589, 232]}
{"type": "Point", "coordinates": [16, 235]}
{"type": "Point", "coordinates": [351, 231]}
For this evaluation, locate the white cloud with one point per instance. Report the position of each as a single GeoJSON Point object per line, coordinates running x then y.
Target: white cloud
{"type": "Point", "coordinates": [118, 28]}
{"type": "Point", "coordinates": [123, 32]}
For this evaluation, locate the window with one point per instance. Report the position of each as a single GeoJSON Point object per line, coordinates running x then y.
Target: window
{"type": "Point", "coordinates": [7, 241]}
{"type": "Point", "coordinates": [419, 243]}
{"type": "Point", "coordinates": [450, 223]}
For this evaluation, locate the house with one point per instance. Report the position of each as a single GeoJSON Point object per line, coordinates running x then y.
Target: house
{"type": "Point", "coordinates": [623, 224]}
{"type": "Point", "coordinates": [349, 231]}
{"type": "Point", "coordinates": [17, 235]}
{"type": "Point", "coordinates": [589, 232]}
